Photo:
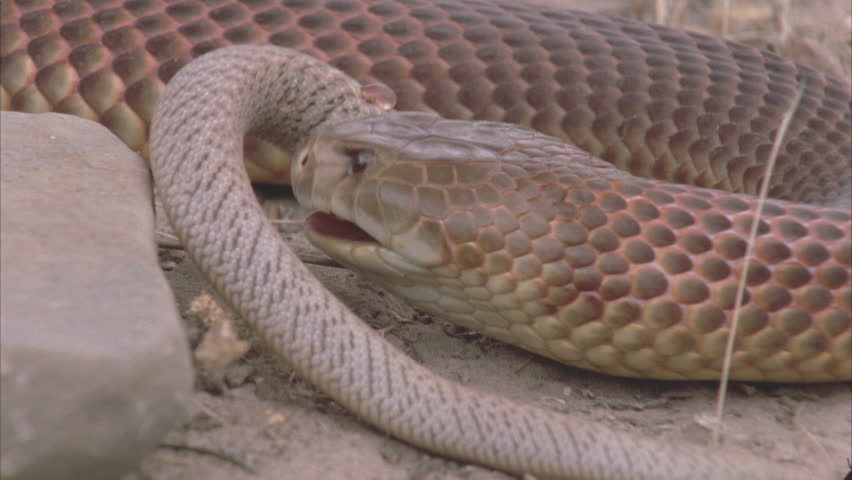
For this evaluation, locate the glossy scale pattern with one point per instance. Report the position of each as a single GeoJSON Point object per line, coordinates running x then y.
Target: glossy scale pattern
{"type": "Point", "coordinates": [536, 243]}
{"type": "Point", "coordinates": [681, 107]}
{"type": "Point", "coordinates": [661, 103]}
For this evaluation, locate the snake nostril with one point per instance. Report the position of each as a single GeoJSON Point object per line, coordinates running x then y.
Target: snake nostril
{"type": "Point", "coordinates": [303, 160]}
{"type": "Point", "coordinates": [359, 160]}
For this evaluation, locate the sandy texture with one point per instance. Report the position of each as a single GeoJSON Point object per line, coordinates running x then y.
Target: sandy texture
{"type": "Point", "coordinates": [257, 413]}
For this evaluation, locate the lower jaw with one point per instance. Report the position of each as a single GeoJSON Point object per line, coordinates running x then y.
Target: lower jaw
{"type": "Point", "coordinates": [328, 225]}
{"type": "Point", "coordinates": [351, 248]}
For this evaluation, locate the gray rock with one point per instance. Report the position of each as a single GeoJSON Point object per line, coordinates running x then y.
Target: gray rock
{"type": "Point", "coordinates": [94, 366]}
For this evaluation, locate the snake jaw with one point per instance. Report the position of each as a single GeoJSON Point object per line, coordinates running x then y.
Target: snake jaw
{"type": "Point", "coordinates": [325, 181]}
{"type": "Point", "coordinates": [356, 249]}
{"type": "Point", "coordinates": [329, 225]}
{"type": "Point", "coordinates": [322, 181]}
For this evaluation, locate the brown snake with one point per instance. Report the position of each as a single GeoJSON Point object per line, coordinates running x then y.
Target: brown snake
{"type": "Point", "coordinates": [603, 293]}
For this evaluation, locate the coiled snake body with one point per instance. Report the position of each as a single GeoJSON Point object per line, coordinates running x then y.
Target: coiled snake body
{"type": "Point", "coordinates": [504, 230]}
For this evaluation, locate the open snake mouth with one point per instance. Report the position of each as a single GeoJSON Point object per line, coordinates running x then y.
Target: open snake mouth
{"type": "Point", "coordinates": [351, 246]}
{"type": "Point", "coordinates": [329, 225]}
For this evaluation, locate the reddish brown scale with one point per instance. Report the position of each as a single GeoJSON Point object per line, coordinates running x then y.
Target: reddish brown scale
{"type": "Point", "coordinates": [645, 98]}
{"type": "Point", "coordinates": [660, 103]}
{"type": "Point", "coordinates": [632, 277]}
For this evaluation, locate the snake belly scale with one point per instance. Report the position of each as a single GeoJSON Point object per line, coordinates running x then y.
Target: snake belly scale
{"type": "Point", "coordinates": [644, 98]}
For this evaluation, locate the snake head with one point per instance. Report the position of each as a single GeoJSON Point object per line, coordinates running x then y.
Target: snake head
{"type": "Point", "coordinates": [407, 183]}
{"type": "Point", "coordinates": [435, 192]}
{"type": "Point", "coordinates": [441, 212]}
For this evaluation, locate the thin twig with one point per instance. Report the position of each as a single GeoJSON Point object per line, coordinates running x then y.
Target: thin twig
{"type": "Point", "coordinates": [797, 422]}
{"type": "Point", "coordinates": [726, 15]}
{"type": "Point", "coordinates": [660, 13]}
{"type": "Point", "coordinates": [163, 233]}
{"type": "Point", "coordinates": [287, 221]}
{"type": "Point", "coordinates": [319, 260]}
{"type": "Point", "coordinates": [214, 452]}
{"type": "Point", "coordinates": [677, 13]}
{"type": "Point", "coordinates": [784, 22]}
{"type": "Point", "coordinates": [764, 190]}
{"type": "Point", "coordinates": [523, 364]}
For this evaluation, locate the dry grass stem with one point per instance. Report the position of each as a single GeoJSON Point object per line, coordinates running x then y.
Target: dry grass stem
{"type": "Point", "coordinates": [661, 10]}
{"type": "Point", "coordinates": [764, 191]}
{"type": "Point", "coordinates": [726, 15]}
{"type": "Point", "coordinates": [287, 221]}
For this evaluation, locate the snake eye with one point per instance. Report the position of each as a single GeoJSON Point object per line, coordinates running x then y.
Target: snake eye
{"type": "Point", "coordinates": [359, 160]}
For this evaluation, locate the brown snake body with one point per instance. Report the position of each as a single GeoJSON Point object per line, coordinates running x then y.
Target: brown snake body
{"type": "Point", "coordinates": [637, 96]}
{"type": "Point", "coordinates": [657, 102]}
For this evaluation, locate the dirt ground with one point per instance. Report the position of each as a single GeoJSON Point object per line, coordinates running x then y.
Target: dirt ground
{"type": "Point", "coordinates": [258, 421]}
